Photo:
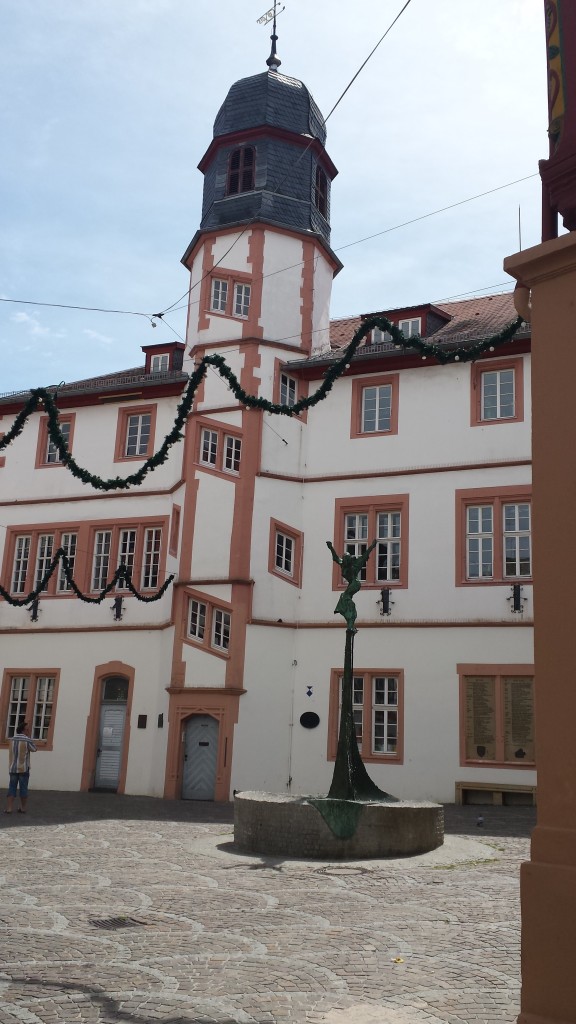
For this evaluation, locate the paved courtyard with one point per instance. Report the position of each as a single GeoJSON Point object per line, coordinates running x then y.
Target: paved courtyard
{"type": "Point", "coordinates": [127, 909]}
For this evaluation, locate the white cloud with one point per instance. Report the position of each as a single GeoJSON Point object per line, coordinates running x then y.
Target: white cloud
{"type": "Point", "coordinates": [103, 339]}
{"type": "Point", "coordinates": [35, 328]}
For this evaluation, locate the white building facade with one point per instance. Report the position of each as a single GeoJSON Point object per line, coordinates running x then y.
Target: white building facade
{"type": "Point", "coordinates": [231, 680]}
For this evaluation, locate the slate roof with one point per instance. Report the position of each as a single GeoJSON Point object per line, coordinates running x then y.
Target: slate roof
{"type": "Point", "coordinates": [271, 99]}
{"type": "Point", "coordinates": [118, 381]}
{"type": "Point", "coordinates": [470, 321]}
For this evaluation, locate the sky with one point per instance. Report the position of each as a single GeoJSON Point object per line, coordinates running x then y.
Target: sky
{"type": "Point", "coordinates": [107, 106]}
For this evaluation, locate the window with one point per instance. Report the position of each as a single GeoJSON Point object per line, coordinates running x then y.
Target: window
{"type": "Point", "coordinates": [288, 390]}
{"type": "Point", "coordinates": [241, 299]}
{"type": "Point", "coordinates": [209, 624]}
{"type": "Point", "coordinates": [497, 391]}
{"type": "Point", "coordinates": [380, 337]}
{"type": "Point", "coordinates": [374, 405]}
{"type": "Point", "coordinates": [219, 295]}
{"type": "Point", "coordinates": [321, 191]}
{"type": "Point", "coordinates": [497, 715]}
{"type": "Point", "coordinates": [384, 519]}
{"type": "Point", "coordinates": [377, 707]}
{"type": "Point", "coordinates": [68, 541]}
{"type": "Point", "coordinates": [151, 561]}
{"type": "Point", "coordinates": [241, 166]}
{"type": "Point", "coordinates": [30, 695]}
{"type": "Point", "coordinates": [494, 535]}
{"type": "Point", "coordinates": [285, 552]}
{"type": "Point", "coordinates": [219, 449]}
{"type": "Point", "coordinates": [47, 453]}
{"type": "Point", "coordinates": [409, 327]}
{"type": "Point", "coordinates": [160, 363]}
{"type": "Point", "coordinates": [94, 552]}
{"type": "Point", "coordinates": [135, 433]}
{"type": "Point", "coordinates": [138, 547]}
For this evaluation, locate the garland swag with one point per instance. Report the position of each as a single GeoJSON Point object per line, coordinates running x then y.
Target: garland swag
{"type": "Point", "coordinates": [424, 348]}
{"type": "Point", "coordinates": [122, 573]}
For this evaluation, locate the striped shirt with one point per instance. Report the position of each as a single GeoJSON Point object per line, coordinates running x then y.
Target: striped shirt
{"type": "Point", "coordinates": [20, 747]}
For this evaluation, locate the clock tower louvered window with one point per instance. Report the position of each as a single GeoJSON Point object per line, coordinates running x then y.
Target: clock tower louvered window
{"type": "Point", "coordinates": [241, 170]}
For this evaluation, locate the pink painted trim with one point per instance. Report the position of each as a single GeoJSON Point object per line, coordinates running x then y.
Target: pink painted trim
{"type": "Point", "coordinates": [302, 387]}
{"type": "Point", "coordinates": [200, 423]}
{"type": "Point", "coordinates": [222, 703]}
{"type": "Point", "coordinates": [122, 426]}
{"type": "Point", "coordinates": [485, 366]}
{"type": "Point", "coordinates": [212, 604]}
{"type": "Point", "coordinates": [358, 386]}
{"type": "Point", "coordinates": [34, 673]}
{"type": "Point", "coordinates": [371, 505]}
{"type": "Point", "coordinates": [298, 538]}
{"type": "Point", "coordinates": [334, 709]}
{"type": "Point", "coordinates": [101, 672]}
{"type": "Point", "coordinates": [252, 327]}
{"type": "Point", "coordinates": [174, 531]}
{"type": "Point", "coordinates": [42, 444]}
{"type": "Point", "coordinates": [495, 496]}
{"type": "Point", "coordinates": [498, 671]}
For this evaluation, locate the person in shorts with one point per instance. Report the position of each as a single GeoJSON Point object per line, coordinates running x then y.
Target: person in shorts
{"type": "Point", "coordinates": [20, 746]}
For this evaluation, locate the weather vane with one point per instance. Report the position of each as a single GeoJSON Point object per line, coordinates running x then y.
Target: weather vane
{"type": "Point", "coordinates": [273, 61]}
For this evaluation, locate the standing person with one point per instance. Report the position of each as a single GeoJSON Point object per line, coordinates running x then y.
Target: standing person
{"type": "Point", "coordinates": [20, 746]}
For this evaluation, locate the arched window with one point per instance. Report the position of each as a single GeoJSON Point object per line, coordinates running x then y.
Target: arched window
{"type": "Point", "coordinates": [241, 170]}
{"type": "Point", "coordinates": [321, 191]}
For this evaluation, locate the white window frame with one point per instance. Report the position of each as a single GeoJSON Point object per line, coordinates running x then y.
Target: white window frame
{"type": "Point", "coordinates": [151, 557]}
{"type": "Point", "coordinates": [69, 543]}
{"type": "Point", "coordinates": [22, 546]}
{"type": "Point", "coordinates": [52, 455]}
{"type": "Point", "coordinates": [410, 326]}
{"type": "Point", "coordinates": [284, 553]}
{"type": "Point", "coordinates": [232, 453]}
{"type": "Point", "coordinates": [371, 422]}
{"type": "Point", "coordinates": [500, 399]}
{"type": "Point", "coordinates": [242, 293]}
{"type": "Point", "coordinates": [517, 538]}
{"type": "Point", "coordinates": [388, 548]}
{"type": "Point", "coordinates": [480, 541]}
{"type": "Point", "coordinates": [23, 689]}
{"type": "Point", "coordinates": [288, 390]}
{"type": "Point", "coordinates": [356, 536]}
{"type": "Point", "coordinates": [197, 619]}
{"type": "Point", "coordinates": [219, 294]}
{"type": "Point", "coordinates": [160, 362]}
{"type": "Point", "coordinates": [209, 447]}
{"type": "Point", "coordinates": [385, 714]}
{"type": "Point", "coordinates": [221, 628]}
{"type": "Point", "coordinates": [44, 555]}
{"type": "Point", "coordinates": [127, 541]}
{"type": "Point", "coordinates": [138, 430]}
{"type": "Point", "coordinates": [101, 559]}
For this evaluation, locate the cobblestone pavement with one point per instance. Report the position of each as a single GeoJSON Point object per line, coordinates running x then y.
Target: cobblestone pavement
{"type": "Point", "coordinates": [128, 909]}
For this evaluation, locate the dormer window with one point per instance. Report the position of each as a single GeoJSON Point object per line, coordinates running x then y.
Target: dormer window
{"type": "Point", "coordinates": [379, 337]}
{"type": "Point", "coordinates": [160, 363]}
{"type": "Point", "coordinates": [409, 327]}
{"type": "Point", "coordinates": [321, 192]}
{"type": "Point", "coordinates": [241, 170]}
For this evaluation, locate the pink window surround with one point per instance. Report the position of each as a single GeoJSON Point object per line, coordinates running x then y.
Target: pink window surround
{"type": "Point", "coordinates": [231, 278]}
{"type": "Point", "coordinates": [124, 415]}
{"type": "Point", "coordinates": [222, 432]}
{"type": "Point", "coordinates": [302, 387]}
{"type": "Point", "coordinates": [84, 534]}
{"type": "Point", "coordinates": [366, 743]}
{"type": "Point", "coordinates": [295, 576]}
{"type": "Point", "coordinates": [359, 384]}
{"type": "Point", "coordinates": [211, 606]}
{"type": "Point", "coordinates": [43, 438]}
{"type": "Point", "coordinates": [496, 497]}
{"type": "Point", "coordinates": [33, 674]}
{"type": "Point", "coordinates": [174, 531]}
{"type": "Point", "coordinates": [371, 506]}
{"type": "Point", "coordinates": [498, 674]}
{"type": "Point", "coordinates": [492, 365]}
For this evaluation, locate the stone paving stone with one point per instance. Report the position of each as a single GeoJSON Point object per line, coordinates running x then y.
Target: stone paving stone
{"type": "Point", "coordinates": [128, 910]}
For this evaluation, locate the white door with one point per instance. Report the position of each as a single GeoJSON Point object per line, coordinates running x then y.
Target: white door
{"type": "Point", "coordinates": [110, 742]}
{"type": "Point", "coordinates": [200, 758]}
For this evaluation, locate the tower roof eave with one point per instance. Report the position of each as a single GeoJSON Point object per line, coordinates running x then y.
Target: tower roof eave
{"type": "Point", "coordinates": [241, 137]}
{"type": "Point", "coordinates": [312, 235]}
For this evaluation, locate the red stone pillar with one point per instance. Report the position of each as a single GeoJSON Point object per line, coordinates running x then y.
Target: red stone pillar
{"type": "Point", "coordinates": [548, 880]}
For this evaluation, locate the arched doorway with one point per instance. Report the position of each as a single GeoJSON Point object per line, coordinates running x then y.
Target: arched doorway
{"type": "Point", "coordinates": [111, 729]}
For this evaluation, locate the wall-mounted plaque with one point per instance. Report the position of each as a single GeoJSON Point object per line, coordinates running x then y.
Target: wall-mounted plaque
{"type": "Point", "coordinates": [518, 719]}
{"type": "Point", "coordinates": [480, 718]}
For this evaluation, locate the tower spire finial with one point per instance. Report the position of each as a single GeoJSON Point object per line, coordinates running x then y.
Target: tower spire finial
{"type": "Point", "coordinates": [273, 61]}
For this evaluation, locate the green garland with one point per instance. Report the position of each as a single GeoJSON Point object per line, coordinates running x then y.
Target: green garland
{"type": "Point", "coordinates": [122, 573]}
{"type": "Point", "coordinates": [426, 349]}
